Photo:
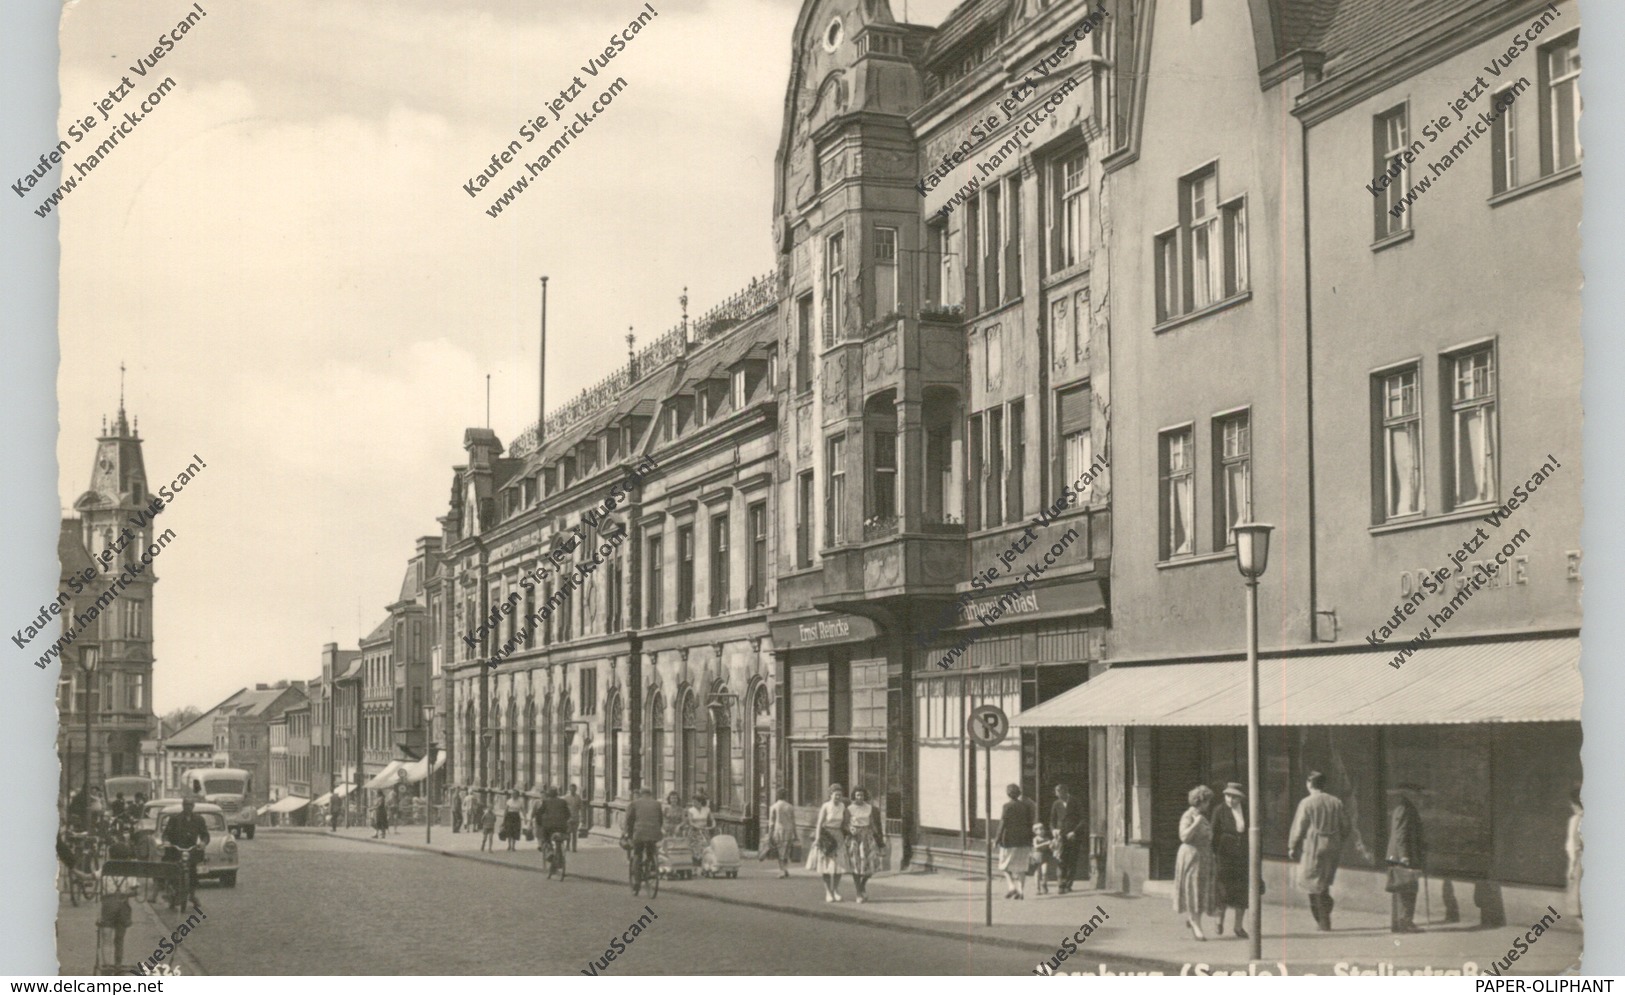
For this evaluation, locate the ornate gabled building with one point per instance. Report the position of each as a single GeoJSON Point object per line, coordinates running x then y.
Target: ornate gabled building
{"type": "Point", "coordinates": [107, 665]}
{"type": "Point", "coordinates": [600, 612]}
{"type": "Point", "coordinates": [936, 239]}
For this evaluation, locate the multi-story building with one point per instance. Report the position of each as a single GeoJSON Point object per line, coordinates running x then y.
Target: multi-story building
{"type": "Point", "coordinates": [1252, 384]}
{"type": "Point", "coordinates": [652, 667]}
{"type": "Point", "coordinates": [242, 733]}
{"type": "Point", "coordinates": [299, 772]}
{"type": "Point", "coordinates": [377, 700]}
{"type": "Point", "coordinates": [107, 553]}
{"type": "Point", "coordinates": [409, 622]}
{"type": "Point", "coordinates": [934, 197]}
{"type": "Point", "coordinates": [277, 777]}
{"type": "Point", "coordinates": [189, 747]}
{"type": "Point", "coordinates": [319, 772]}
{"type": "Point", "coordinates": [342, 675]}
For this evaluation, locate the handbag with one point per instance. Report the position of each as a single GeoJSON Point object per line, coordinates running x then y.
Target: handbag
{"type": "Point", "coordinates": [1403, 878]}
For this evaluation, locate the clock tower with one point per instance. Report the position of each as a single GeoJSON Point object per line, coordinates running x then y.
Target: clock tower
{"type": "Point", "coordinates": [110, 515]}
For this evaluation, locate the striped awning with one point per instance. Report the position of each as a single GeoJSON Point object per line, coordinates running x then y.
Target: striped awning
{"type": "Point", "coordinates": [1526, 680]}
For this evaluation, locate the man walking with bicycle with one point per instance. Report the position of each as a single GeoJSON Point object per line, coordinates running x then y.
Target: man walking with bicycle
{"type": "Point", "coordinates": [644, 828]}
{"type": "Point", "coordinates": [186, 835]}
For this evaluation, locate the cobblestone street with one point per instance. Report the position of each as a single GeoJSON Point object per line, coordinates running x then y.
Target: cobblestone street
{"type": "Point", "coordinates": [312, 904]}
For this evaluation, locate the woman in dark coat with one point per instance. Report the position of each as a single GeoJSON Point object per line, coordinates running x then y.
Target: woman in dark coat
{"type": "Point", "coordinates": [380, 819]}
{"type": "Point", "coordinates": [1230, 855]}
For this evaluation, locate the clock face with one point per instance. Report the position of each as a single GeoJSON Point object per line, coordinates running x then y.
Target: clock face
{"type": "Point", "coordinates": [106, 464]}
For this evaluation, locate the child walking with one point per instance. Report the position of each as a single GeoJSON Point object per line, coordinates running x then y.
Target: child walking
{"type": "Point", "coordinates": [1044, 851]}
{"type": "Point", "coordinates": [488, 827]}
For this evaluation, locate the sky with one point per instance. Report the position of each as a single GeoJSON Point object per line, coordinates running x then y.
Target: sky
{"type": "Point", "coordinates": [283, 255]}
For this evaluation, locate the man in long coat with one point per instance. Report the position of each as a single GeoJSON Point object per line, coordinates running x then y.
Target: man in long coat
{"type": "Point", "coordinates": [1319, 829]}
{"type": "Point", "coordinates": [1405, 856]}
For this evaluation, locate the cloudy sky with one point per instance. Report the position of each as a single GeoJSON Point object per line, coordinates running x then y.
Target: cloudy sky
{"type": "Point", "coordinates": [283, 254]}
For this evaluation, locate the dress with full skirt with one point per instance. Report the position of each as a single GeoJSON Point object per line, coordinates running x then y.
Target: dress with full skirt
{"type": "Point", "coordinates": [1195, 877]}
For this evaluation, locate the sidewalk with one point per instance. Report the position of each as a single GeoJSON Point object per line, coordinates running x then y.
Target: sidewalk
{"type": "Point", "coordinates": [1142, 933]}
{"type": "Point", "coordinates": [76, 938]}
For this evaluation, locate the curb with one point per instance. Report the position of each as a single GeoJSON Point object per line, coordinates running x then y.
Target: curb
{"type": "Point", "coordinates": [861, 919]}
{"type": "Point", "coordinates": [194, 967]}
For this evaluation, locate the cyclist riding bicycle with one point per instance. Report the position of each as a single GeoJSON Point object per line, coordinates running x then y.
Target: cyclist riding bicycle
{"type": "Point", "coordinates": [644, 819]}
{"type": "Point", "coordinates": [187, 834]}
{"type": "Point", "coordinates": [552, 819]}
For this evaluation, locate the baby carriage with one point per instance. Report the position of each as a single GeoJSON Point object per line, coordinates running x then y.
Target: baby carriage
{"type": "Point", "coordinates": [676, 858]}
{"type": "Point", "coordinates": [721, 858]}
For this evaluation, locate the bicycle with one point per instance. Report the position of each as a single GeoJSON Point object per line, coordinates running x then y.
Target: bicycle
{"type": "Point", "coordinates": [643, 866]}
{"type": "Point", "coordinates": [181, 889]}
{"type": "Point", "coordinates": [81, 869]}
{"type": "Point", "coordinates": [555, 854]}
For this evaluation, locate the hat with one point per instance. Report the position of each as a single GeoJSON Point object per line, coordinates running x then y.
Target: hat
{"type": "Point", "coordinates": [1234, 788]}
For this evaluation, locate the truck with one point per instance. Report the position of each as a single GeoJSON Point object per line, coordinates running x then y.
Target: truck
{"type": "Point", "coordinates": [232, 789]}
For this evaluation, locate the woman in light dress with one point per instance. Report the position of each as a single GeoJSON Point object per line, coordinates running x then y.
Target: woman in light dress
{"type": "Point", "coordinates": [865, 841]}
{"type": "Point", "coordinates": [781, 830]}
{"type": "Point", "coordinates": [827, 855]}
{"type": "Point", "coordinates": [699, 825]}
{"type": "Point", "coordinates": [1195, 875]}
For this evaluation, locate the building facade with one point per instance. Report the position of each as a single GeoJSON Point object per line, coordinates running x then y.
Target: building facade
{"type": "Point", "coordinates": [637, 522]}
{"type": "Point", "coordinates": [107, 552]}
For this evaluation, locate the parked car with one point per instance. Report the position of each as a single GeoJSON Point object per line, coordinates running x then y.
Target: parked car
{"type": "Point", "coordinates": [145, 836]}
{"type": "Point", "coordinates": [219, 855]}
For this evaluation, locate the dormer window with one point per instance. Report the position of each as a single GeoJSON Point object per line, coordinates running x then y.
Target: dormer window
{"type": "Point", "coordinates": [736, 388]}
{"type": "Point", "coordinates": [703, 400]}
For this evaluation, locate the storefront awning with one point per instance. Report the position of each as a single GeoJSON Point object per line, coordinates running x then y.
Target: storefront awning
{"type": "Point", "coordinates": [291, 803]}
{"type": "Point", "coordinates": [321, 799]}
{"type": "Point", "coordinates": [388, 777]}
{"type": "Point", "coordinates": [341, 791]}
{"type": "Point", "coordinates": [1531, 680]}
{"type": "Point", "coordinates": [262, 810]}
{"type": "Point", "coordinates": [417, 769]}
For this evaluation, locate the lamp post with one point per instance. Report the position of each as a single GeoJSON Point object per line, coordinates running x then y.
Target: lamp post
{"type": "Point", "coordinates": [428, 774]}
{"type": "Point", "coordinates": [87, 670]}
{"type": "Point", "coordinates": [1252, 558]}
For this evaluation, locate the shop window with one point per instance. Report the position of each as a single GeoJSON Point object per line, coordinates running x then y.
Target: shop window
{"type": "Point", "coordinates": [810, 777]}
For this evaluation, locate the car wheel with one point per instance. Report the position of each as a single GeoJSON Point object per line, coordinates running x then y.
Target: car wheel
{"type": "Point", "coordinates": [228, 879]}
{"type": "Point", "coordinates": [236, 833]}
{"type": "Point", "coordinates": [249, 830]}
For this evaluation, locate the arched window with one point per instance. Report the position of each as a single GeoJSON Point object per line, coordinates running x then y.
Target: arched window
{"type": "Point", "coordinates": [722, 750]}
{"type": "Point", "coordinates": [561, 731]}
{"type": "Point", "coordinates": [655, 776]}
{"type": "Point", "coordinates": [470, 747]}
{"type": "Point", "coordinates": [513, 744]}
{"type": "Point", "coordinates": [544, 740]}
{"type": "Point", "coordinates": [688, 747]}
{"type": "Point", "coordinates": [530, 744]}
{"type": "Point", "coordinates": [613, 722]}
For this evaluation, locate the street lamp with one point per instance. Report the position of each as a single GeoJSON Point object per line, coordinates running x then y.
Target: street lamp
{"type": "Point", "coordinates": [428, 774]}
{"type": "Point", "coordinates": [87, 670]}
{"type": "Point", "coordinates": [1253, 558]}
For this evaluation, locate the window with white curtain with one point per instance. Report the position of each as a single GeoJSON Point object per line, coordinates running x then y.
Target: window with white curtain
{"type": "Point", "coordinates": [1471, 427]}
{"type": "Point", "coordinates": [1400, 428]}
{"type": "Point", "coordinates": [1178, 492]}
